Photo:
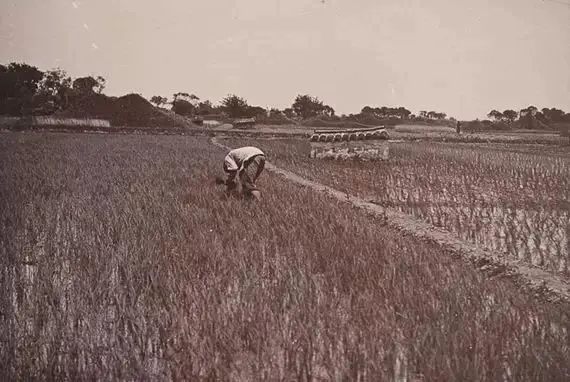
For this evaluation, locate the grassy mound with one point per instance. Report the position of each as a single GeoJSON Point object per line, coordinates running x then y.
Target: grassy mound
{"type": "Point", "coordinates": [128, 110]}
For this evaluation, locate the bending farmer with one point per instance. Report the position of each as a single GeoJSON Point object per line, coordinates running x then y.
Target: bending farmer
{"type": "Point", "coordinates": [246, 164]}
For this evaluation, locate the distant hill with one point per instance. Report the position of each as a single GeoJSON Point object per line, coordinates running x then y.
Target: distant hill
{"type": "Point", "coordinates": [129, 110]}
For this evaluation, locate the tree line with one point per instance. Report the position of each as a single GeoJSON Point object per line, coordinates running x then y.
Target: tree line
{"type": "Point", "coordinates": [545, 115]}
{"type": "Point", "coordinates": [26, 90]}
{"type": "Point", "coordinates": [304, 106]}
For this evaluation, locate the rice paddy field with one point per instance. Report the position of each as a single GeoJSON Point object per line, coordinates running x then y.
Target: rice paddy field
{"type": "Point", "coordinates": [120, 259]}
{"type": "Point", "coordinates": [512, 199]}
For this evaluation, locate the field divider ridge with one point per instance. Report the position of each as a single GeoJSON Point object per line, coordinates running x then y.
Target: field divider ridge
{"type": "Point", "coordinates": [545, 284]}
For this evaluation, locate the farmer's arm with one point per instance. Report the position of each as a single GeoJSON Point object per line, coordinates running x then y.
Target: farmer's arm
{"type": "Point", "coordinates": [231, 176]}
{"type": "Point", "coordinates": [231, 168]}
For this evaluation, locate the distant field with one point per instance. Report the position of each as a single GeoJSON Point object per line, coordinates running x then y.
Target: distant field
{"type": "Point", "coordinates": [430, 133]}
{"type": "Point", "coordinates": [119, 260]}
{"type": "Point", "coordinates": [444, 134]}
{"type": "Point", "coordinates": [423, 129]}
{"type": "Point", "coordinates": [398, 132]}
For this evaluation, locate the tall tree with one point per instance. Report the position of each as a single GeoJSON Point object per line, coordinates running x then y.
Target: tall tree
{"type": "Point", "coordinates": [496, 115]}
{"type": "Point", "coordinates": [529, 110]}
{"type": "Point", "coordinates": [382, 112]}
{"type": "Point", "coordinates": [180, 95]}
{"type": "Point", "coordinates": [101, 84]}
{"type": "Point", "coordinates": [306, 106]}
{"type": "Point", "coordinates": [510, 115]}
{"type": "Point", "coordinates": [193, 99]}
{"type": "Point", "coordinates": [85, 85]}
{"type": "Point", "coordinates": [275, 112]}
{"type": "Point", "coordinates": [158, 100]}
{"type": "Point", "coordinates": [256, 111]}
{"type": "Point", "coordinates": [328, 111]}
{"type": "Point", "coordinates": [53, 89]}
{"type": "Point", "coordinates": [54, 81]}
{"type": "Point", "coordinates": [404, 113]}
{"type": "Point", "coordinates": [235, 106]}
{"type": "Point", "coordinates": [184, 103]}
{"type": "Point", "coordinates": [19, 84]}
{"type": "Point", "coordinates": [205, 108]}
{"type": "Point", "coordinates": [289, 112]}
{"type": "Point", "coordinates": [183, 107]}
{"type": "Point", "coordinates": [553, 114]}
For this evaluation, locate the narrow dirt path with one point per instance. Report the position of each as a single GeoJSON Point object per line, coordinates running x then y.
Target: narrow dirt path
{"type": "Point", "coordinates": [550, 286]}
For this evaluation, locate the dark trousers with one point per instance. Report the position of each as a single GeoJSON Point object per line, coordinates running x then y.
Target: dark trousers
{"type": "Point", "coordinates": [252, 168]}
{"type": "Point", "coordinates": [249, 174]}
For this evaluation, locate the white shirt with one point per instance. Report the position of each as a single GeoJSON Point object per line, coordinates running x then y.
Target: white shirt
{"type": "Point", "coordinates": [236, 158]}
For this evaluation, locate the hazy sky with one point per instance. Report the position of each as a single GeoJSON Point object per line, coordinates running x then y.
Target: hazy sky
{"type": "Point", "coordinates": [462, 57]}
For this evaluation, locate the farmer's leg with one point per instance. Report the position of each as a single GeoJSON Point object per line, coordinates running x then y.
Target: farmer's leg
{"type": "Point", "coordinates": [260, 162]}
{"type": "Point", "coordinates": [249, 174]}
{"type": "Point", "coordinates": [245, 179]}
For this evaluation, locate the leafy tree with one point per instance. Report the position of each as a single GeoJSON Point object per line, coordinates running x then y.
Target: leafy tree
{"type": "Point", "coordinates": [328, 111]}
{"type": "Point", "coordinates": [184, 103]}
{"type": "Point", "coordinates": [496, 115]}
{"type": "Point", "coordinates": [19, 84]}
{"type": "Point", "coordinates": [4, 90]}
{"type": "Point", "coordinates": [380, 112]}
{"type": "Point", "coordinates": [54, 82]}
{"type": "Point", "coordinates": [529, 110]}
{"type": "Point", "coordinates": [101, 83]}
{"type": "Point", "coordinates": [391, 112]}
{"type": "Point", "coordinates": [235, 106]}
{"type": "Point", "coordinates": [85, 85]}
{"type": "Point", "coordinates": [404, 113]}
{"type": "Point", "coordinates": [289, 112]}
{"type": "Point", "coordinates": [180, 95]}
{"type": "Point", "coordinates": [53, 90]}
{"type": "Point", "coordinates": [256, 111]}
{"type": "Point", "coordinates": [510, 115]}
{"type": "Point", "coordinates": [275, 113]}
{"type": "Point", "coordinates": [193, 99]}
{"type": "Point", "coordinates": [183, 107]}
{"type": "Point", "coordinates": [22, 77]}
{"type": "Point", "coordinates": [306, 106]}
{"type": "Point", "coordinates": [158, 100]}
{"type": "Point", "coordinates": [553, 114]}
{"type": "Point", "coordinates": [205, 108]}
